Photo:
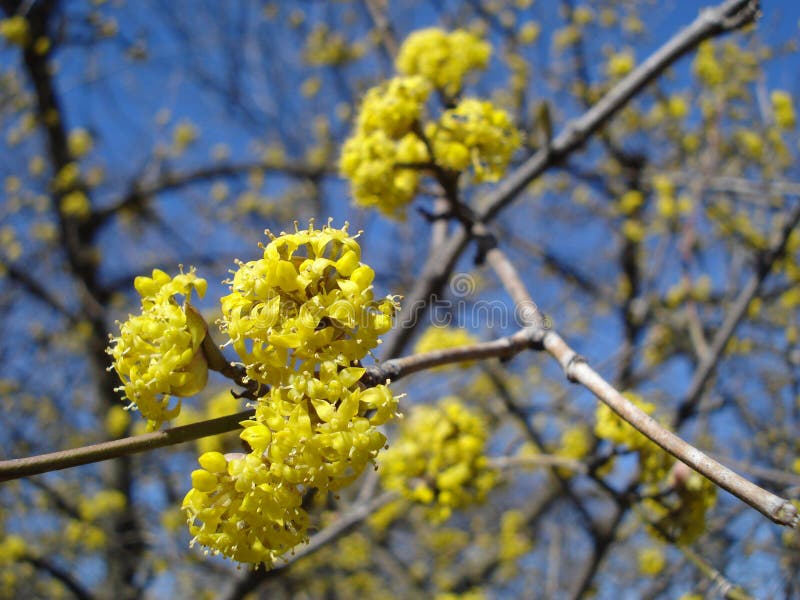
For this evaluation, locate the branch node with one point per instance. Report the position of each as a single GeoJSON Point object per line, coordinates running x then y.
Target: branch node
{"type": "Point", "coordinates": [787, 514]}
{"type": "Point", "coordinates": [432, 217]}
{"type": "Point", "coordinates": [486, 241]}
{"type": "Point", "coordinates": [574, 360]}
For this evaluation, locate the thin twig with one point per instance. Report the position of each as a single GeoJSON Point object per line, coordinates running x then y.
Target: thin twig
{"type": "Point", "coordinates": [171, 181]}
{"type": "Point", "coordinates": [396, 368]}
{"type": "Point", "coordinates": [538, 460]}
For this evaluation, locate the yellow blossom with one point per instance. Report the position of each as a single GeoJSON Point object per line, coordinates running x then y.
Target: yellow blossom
{"type": "Point", "coordinates": [76, 204]}
{"type": "Point", "coordinates": [634, 230]}
{"type": "Point", "coordinates": [651, 561]}
{"type": "Point", "coordinates": [238, 508]}
{"type": "Point", "coordinates": [101, 504]}
{"type": "Point", "coordinates": [681, 515]}
{"type": "Point", "coordinates": [630, 201]}
{"type": "Point", "coordinates": [12, 547]}
{"type": "Point", "coordinates": [184, 135]}
{"type": "Point", "coordinates": [15, 30]}
{"type": "Point", "coordinates": [117, 420]}
{"type": "Point", "coordinates": [158, 351]}
{"type": "Point", "coordinates": [394, 106]}
{"type": "Point", "coordinates": [80, 142]}
{"type": "Point", "coordinates": [67, 177]}
{"type": "Point", "coordinates": [36, 165]}
{"type": "Point", "coordinates": [325, 47]}
{"type": "Point", "coordinates": [316, 431]}
{"type": "Point", "coordinates": [706, 66]}
{"type": "Point", "coordinates": [783, 109]}
{"type": "Point", "coordinates": [620, 64]}
{"type": "Point", "coordinates": [439, 458]}
{"type": "Point", "coordinates": [443, 58]}
{"type": "Point", "coordinates": [308, 298]}
{"type": "Point", "coordinates": [513, 541]}
{"type": "Point", "coordinates": [475, 134]}
{"type": "Point", "coordinates": [529, 32]}
{"type": "Point", "coordinates": [371, 163]}
{"type": "Point", "coordinates": [310, 87]}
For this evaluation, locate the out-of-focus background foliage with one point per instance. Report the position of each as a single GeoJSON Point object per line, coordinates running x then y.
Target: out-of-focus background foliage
{"type": "Point", "coordinates": [158, 133]}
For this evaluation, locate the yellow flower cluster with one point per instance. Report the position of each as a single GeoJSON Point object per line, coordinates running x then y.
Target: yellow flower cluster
{"type": "Point", "coordinates": [184, 135]}
{"type": "Point", "coordinates": [514, 543]}
{"type": "Point", "coordinates": [320, 432]}
{"type": "Point", "coordinates": [682, 514]}
{"type": "Point", "coordinates": [383, 157]}
{"type": "Point", "coordinates": [620, 64]}
{"type": "Point", "coordinates": [157, 353]}
{"type": "Point", "coordinates": [476, 134]}
{"type": "Point", "coordinates": [439, 459]}
{"type": "Point", "coordinates": [706, 66]}
{"type": "Point", "coordinates": [80, 142]}
{"type": "Point", "coordinates": [443, 58]}
{"type": "Point", "coordinates": [103, 503]}
{"type": "Point", "coordinates": [15, 30]}
{"type": "Point", "coordinates": [325, 47]}
{"type": "Point", "coordinates": [372, 158]}
{"type": "Point", "coordinates": [300, 318]}
{"type": "Point", "coordinates": [394, 106]}
{"type": "Point", "coordinates": [783, 109]}
{"type": "Point", "coordinates": [247, 512]}
{"type": "Point", "coordinates": [653, 461]}
{"type": "Point", "coordinates": [651, 561]}
{"type": "Point", "coordinates": [308, 300]}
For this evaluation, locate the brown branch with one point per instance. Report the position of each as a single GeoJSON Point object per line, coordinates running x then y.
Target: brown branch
{"type": "Point", "coordinates": [725, 587]}
{"type": "Point", "coordinates": [377, 12]}
{"type": "Point", "coordinates": [36, 289]}
{"type": "Point", "coordinates": [711, 22]}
